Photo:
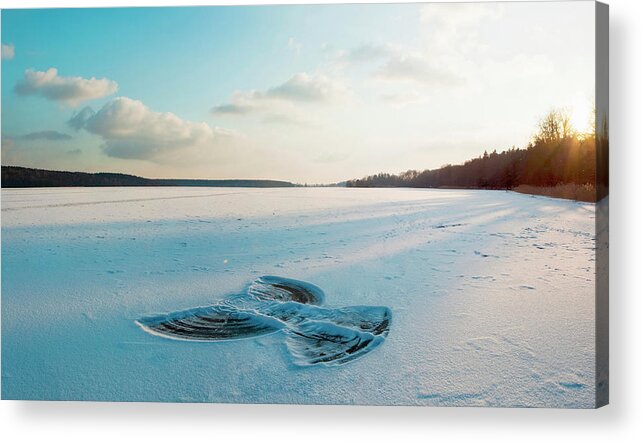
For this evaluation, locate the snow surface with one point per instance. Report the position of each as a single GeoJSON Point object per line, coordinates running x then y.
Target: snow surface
{"type": "Point", "coordinates": [491, 293]}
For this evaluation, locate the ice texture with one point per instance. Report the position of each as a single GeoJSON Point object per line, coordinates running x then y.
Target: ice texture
{"type": "Point", "coordinates": [492, 294]}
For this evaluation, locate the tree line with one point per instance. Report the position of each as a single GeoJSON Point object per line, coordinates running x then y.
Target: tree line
{"type": "Point", "coordinates": [557, 154]}
{"type": "Point", "coordinates": [14, 176]}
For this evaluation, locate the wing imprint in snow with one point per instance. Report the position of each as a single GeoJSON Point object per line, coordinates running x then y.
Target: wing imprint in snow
{"type": "Point", "coordinates": [213, 323]}
{"type": "Point", "coordinates": [313, 335]}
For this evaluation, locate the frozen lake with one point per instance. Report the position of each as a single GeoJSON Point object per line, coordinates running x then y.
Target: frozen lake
{"type": "Point", "coordinates": [491, 293]}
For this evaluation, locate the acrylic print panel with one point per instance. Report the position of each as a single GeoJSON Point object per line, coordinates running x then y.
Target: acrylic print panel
{"type": "Point", "coordinates": [381, 204]}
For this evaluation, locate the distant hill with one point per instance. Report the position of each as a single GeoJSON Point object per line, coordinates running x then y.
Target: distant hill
{"type": "Point", "coordinates": [14, 176]}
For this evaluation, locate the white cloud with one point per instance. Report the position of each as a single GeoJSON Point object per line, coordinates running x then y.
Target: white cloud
{"type": "Point", "coordinates": [8, 51]}
{"type": "Point", "coordinates": [68, 90]}
{"type": "Point", "coordinates": [132, 131]}
{"type": "Point", "coordinates": [294, 45]}
{"type": "Point", "coordinates": [418, 68]}
{"type": "Point", "coordinates": [306, 87]}
{"type": "Point", "coordinates": [366, 53]}
{"type": "Point", "coordinates": [451, 54]}
{"type": "Point", "coordinates": [395, 62]}
{"type": "Point", "coordinates": [452, 35]}
{"type": "Point", "coordinates": [281, 103]}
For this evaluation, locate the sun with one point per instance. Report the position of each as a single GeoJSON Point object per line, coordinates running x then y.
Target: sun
{"type": "Point", "coordinates": [582, 115]}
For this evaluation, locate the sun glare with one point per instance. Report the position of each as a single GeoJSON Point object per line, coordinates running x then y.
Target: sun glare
{"type": "Point", "coordinates": [582, 116]}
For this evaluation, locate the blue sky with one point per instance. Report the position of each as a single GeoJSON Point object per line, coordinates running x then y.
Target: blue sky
{"type": "Point", "coordinates": [304, 93]}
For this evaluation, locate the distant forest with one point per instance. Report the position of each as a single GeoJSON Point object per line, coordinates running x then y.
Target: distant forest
{"type": "Point", "coordinates": [13, 176]}
{"type": "Point", "coordinates": [557, 155]}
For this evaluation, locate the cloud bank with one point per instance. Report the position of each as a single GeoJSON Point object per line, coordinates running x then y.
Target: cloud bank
{"type": "Point", "coordinates": [396, 63]}
{"type": "Point", "coordinates": [132, 131]}
{"type": "Point", "coordinates": [280, 103]}
{"type": "Point", "coordinates": [68, 90]}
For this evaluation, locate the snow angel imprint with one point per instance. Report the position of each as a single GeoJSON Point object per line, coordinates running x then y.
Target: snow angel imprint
{"type": "Point", "coordinates": [313, 334]}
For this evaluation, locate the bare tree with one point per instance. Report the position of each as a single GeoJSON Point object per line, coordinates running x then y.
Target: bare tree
{"type": "Point", "coordinates": [554, 127]}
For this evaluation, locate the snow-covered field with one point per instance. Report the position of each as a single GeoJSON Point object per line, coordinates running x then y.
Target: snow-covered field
{"type": "Point", "coordinates": [491, 293]}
